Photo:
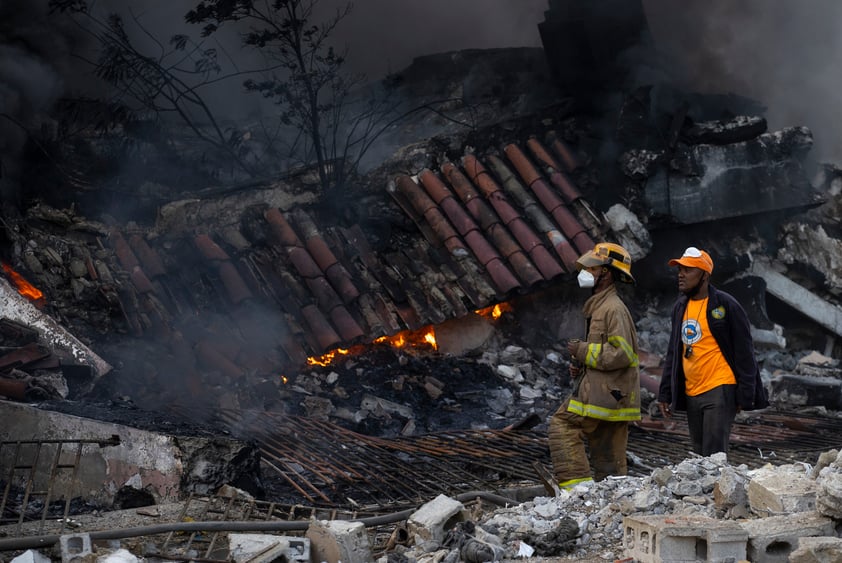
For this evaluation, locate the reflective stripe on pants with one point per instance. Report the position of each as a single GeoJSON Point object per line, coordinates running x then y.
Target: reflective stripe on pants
{"type": "Point", "coordinates": [570, 438]}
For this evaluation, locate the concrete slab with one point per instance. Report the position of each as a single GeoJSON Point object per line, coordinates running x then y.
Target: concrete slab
{"type": "Point", "coordinates": [782, 490]}
{"type": "Point", "coordinates": [166, 466]}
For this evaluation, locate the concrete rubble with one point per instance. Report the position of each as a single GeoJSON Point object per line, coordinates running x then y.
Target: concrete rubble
{"type": "Point", "coordinates": [698, 501]}
{"type": "Point", "coordinates": [701, 509]}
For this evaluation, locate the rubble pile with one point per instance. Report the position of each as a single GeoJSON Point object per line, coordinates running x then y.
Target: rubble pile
{"type": "Point", "coordinates": [589, 522]}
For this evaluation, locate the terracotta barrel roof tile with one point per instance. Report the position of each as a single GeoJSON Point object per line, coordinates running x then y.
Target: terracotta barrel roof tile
{"type": "Point", "coordinates": [348, 328]}
{"type": "Point", "coordinates": [152, 264]}
{"type": "Point", "coordinates": [281, 230]}
{"type": "Point", "coordinates": [209, 249]}
{"type": "Point", "coordinates": [320, 328]}
{"type": "Point", "coordinates": [234, 284]}
{"type": "Point", "coordinates": [124, 253]}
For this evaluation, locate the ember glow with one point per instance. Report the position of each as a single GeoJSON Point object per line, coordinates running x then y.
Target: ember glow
{"type": "Point", "coordinates": [327, 359]}
{"type": "Point", "coordinates": [24, 287]}
{"type": "Point", "coordinates": [495, 311]}
{"type": "Point", "coordinates": [424, 338]}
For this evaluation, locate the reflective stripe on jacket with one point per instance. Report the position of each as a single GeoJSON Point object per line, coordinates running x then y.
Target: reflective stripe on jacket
{"type": "Point", "coordinates": [610, 387]}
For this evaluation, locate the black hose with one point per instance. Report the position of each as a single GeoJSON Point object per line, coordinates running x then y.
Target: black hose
{"type": "Point", "coordinates": [36, 542]}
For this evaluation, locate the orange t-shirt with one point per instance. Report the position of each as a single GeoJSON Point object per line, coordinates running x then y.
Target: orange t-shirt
{"type": "Point", "coordinates": [706, 367]}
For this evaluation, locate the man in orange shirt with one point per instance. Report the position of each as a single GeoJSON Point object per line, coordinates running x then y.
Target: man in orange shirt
{"type": "Point", "coordinates": [710, 368]}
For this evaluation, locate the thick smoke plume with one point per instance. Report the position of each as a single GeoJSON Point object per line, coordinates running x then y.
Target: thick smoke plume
{"type": "Point", "coordinates": [34, 57]}
{"type": "Point", "coordinates": [783, 54]}
{"type": "Point", "coordinates": [779, 52]}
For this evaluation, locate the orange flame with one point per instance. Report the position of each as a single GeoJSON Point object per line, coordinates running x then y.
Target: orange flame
{"type": "Point", "coordinates": [495, 311]}
{"type": "Point", "coordinates": [24, 287]}
{"type": "Point", "coordinates": [326, 359]}
{"type": "Point", "coordinates": [422, 338]}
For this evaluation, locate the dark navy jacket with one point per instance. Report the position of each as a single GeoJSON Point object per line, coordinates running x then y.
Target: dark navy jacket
{"type": "Point", "coordinates": [732, 332]}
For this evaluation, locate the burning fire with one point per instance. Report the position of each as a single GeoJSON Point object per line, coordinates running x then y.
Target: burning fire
{"type": "Point", "coordinates": [416, 339]}
{"type": "Point", "coordinates": [327, 359]}
{"type": "Point", "coordinates": [424, 338]}
{"type": "Point", "coordinates": [495, 311]}
{"type": "Point", "coordinates": [24, 287]}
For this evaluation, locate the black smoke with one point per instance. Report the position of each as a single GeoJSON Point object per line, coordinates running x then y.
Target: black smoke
{"type": "Point", "coordinates": [784, 54]}
{"type": "Point", "coordinates": [35, 61]}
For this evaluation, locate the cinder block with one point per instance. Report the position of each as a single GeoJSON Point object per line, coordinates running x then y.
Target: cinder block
{"type": "Point", "coordinates": [682, 539]}
{"type": "Point", "coordinates": [339, 541]}
{"type": "Point", "coordinates": [773, 539]}
{"type": "Point", "coordinates": [432, 520]}
{"type": "Point", "coordinates": [74, 546]}
{"type": "Point", "coordinates": [782, 490]}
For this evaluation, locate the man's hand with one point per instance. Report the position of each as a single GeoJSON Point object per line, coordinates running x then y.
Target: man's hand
{"type": "Point", "coordinates": [665, 409]}
{"type": "Point", "coordinates": [574, 371]}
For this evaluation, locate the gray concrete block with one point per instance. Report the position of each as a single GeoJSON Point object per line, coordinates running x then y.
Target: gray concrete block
{"type": "Point", "coordinates": [433, 519]}
{"type": "Point", "coordinates": [339, 541]}
{"type": "Point", "coordinates": [782, 490]}
{"type": "Point", "coordinates": [681, 539]}
{"type": "Point", "coordinates": [74, 546]}
{"type": "Point", "coordinates": [773, 539]}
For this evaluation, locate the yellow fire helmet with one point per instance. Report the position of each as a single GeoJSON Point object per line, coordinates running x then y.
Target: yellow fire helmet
{"type": "Point", "coordinates": [611, 255]}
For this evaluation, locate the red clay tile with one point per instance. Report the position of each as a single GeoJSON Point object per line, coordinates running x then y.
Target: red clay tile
{"type": "Point", "coordinates": [537, 215]}
{"type": "Point", "coordinates": [152, 264]}
{"type": "Point", "coordinates": [339, 277]}
{"type": "Point", "coordinates": [209, 249]}
{"type": "Point", "coordinates": [568, 191]}
{"type": "Point", "coordinates": [341, 281]}
{"type": "Point", "coordinates": [140, 281]}
{"type": "Point", "coordinates": [320, 328]}
{"type": "Point", "coordinates": [326, 296]}
{"type": "Point", "coordinates": [459, 218]}
{"type": "Point", "coordinates": [502, 276]}
{"type": "Point", "coordinates": [281, 229]}
{"type": "Point", "coordinates": [236, 288]}
{"type": "Point", "coordinates": [484, 251]}
{"type": "Point", "coordinates": [569, 160]}
{"type": "Point", "coordinates": [321, 253]}
{"type": "Point", "coordinates": [548, 198]}
{"type": "Point", "coordinates": [303, 262]}
{"type": "Point", "coordinates": [520, 229]}
{"type": "Point", "coordinates": [124, 254]}
{"type": "Point", "coordinates": [424, 205]}
{"type": "Point", "coordinates": [346, 325]}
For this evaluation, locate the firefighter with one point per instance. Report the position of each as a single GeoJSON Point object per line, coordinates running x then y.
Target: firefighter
{"type": "Point", "coordinates": [606, 380]}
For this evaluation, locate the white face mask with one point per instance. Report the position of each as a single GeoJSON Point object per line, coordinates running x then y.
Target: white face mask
{"type": "Point", "coordinates": [585, 279]}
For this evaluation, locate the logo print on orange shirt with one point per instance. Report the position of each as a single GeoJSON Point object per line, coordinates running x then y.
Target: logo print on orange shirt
{"type": "Point", "coordinates": [691, 331]}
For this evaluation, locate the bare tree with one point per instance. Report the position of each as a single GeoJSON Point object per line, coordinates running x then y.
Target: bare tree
{"type": "Point", "coordinates": [308, 78]}
{"type": "Point", "coordinates": [167, 80]}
